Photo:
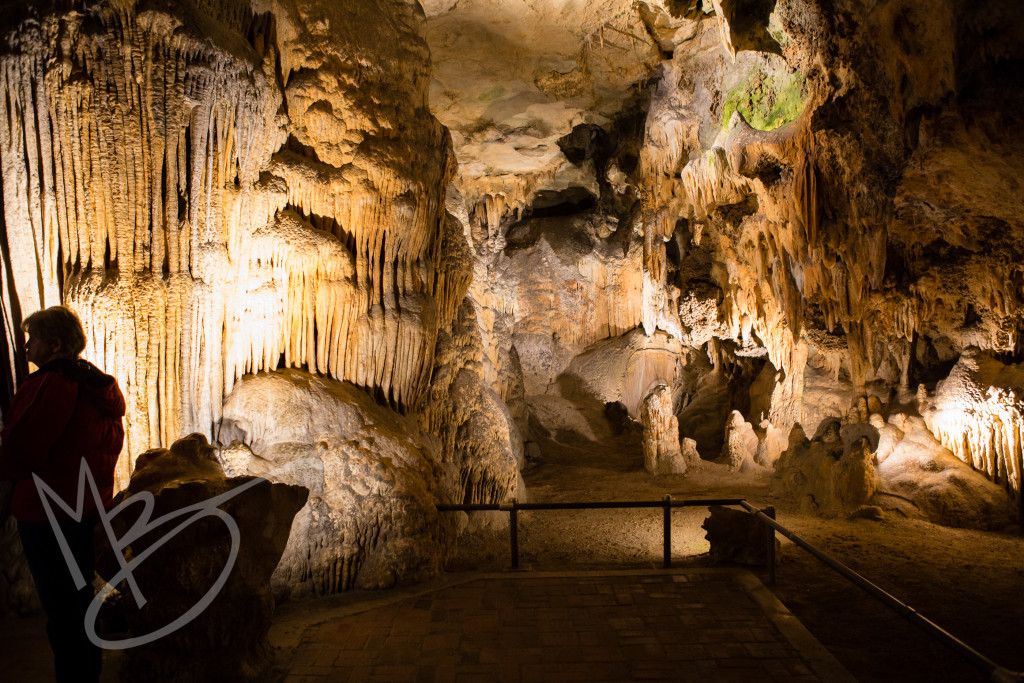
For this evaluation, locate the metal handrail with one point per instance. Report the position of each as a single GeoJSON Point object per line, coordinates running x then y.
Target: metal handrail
{"type": "Point", "coordinates": [767, 517]}
{"type": "Point", "coordinates": [665, 503]}
{"type": "Point", "coordinates": [980, 661]}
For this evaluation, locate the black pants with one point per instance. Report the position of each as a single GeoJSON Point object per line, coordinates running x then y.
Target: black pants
{"type": "Point", "coordinates": [75, 657]}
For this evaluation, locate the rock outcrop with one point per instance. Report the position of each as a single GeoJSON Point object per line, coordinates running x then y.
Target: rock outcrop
{"type": "Point", "coordinates": [824, 476]}
{"type": "Point", "coordinates": [213, 626]}
{"type": "Point", "coordinates": [893, 466]}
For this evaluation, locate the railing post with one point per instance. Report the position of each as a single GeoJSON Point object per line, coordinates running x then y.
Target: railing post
{"type": "Point", "coordinates": [513, 532]}
{"type": "Point", "coordinates": [667, 501]}
{"type": "Point", "coordinates": [770, 512]}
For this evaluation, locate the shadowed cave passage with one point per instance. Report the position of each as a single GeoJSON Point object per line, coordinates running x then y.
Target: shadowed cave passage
{"type": "Point", "coordinates": [407, 253]}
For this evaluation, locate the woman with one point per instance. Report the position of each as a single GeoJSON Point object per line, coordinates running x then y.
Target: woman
{"type": "Point", "coordinates": [64, 413]}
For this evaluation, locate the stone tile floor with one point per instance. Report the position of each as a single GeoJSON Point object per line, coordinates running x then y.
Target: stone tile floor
{"type": "Point", "coordinates": [691, 625]}
{"type": "Point", "coordinates": [681, 625]}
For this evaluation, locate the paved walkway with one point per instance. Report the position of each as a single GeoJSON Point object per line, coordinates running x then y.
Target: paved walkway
{"type": "Point", "coordinates": [690, 625]}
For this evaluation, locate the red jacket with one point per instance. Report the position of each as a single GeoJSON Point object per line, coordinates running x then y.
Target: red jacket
{"type": "Point", "coordinates": [66, 411]}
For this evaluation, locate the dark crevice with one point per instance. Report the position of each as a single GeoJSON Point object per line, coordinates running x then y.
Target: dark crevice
{"type": "Point", "coordinates": [293, 145]}
{"type": "Point", "coordinates": [550, 203]}
{"type": "Point", "coordinates": [585, 141]}
{"type": "Point", "coordinates": [327, 224]}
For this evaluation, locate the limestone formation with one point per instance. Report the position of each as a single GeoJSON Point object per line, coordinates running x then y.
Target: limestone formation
{"type": "Point", "coordinates": [822, 476]}
{"type": "Point", "coordinates": [240, 542]}
{"type": "Point", "coordinates": [481, 445]}
{"type": "Point", "coordinates": [740, 448]}
{"type": "Point", "coordinates": [228, 190]}
{"type": "Point", "coordinates": [895, 466]}
{"type": "Point", "coordinates": [370, 519]}
{"type": "Point", "coordinates": [914, 468]}
{"type": "Point", "coordinates": [976, 413]}
{"type": "Point", "coordinates": [513, 77]}
{"type": "Point", "coordinates": [626, 369]}
{"type": "Point", "coordinates": [662, 452]}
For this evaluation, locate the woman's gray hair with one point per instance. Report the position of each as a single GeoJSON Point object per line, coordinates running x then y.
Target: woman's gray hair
{"type": "Point", "coordinates": [57, 323]}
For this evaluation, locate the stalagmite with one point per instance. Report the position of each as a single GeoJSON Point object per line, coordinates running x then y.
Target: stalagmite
{"type": "Point", "coordinates": [741, 443]}
{"type": "Point", "coordinates": [662, 452]}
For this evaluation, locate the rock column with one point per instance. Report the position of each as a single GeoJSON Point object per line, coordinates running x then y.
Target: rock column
{"type": "Point", "coordinates": [662, 454]}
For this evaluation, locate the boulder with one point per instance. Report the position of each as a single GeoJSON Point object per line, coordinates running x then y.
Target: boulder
{"type": "Point", "coordinates": [736, 536]}
{"type": "Point", "coordinates": [202, 603]}
{"type": "Point", "coordinates": [374, 479]}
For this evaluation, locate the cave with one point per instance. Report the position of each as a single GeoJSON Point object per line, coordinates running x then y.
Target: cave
{"type": "Point", "coordinates": [405, 254]}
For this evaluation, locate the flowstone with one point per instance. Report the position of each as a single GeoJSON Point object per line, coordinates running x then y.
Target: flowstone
{"type": "Point", "coordinates": [371, 519]}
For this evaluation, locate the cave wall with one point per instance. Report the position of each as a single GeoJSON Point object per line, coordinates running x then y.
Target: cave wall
{"type": "Point", "coordinates": [831, 186]}
{"type": "Point", "coordinates": [221, 189]}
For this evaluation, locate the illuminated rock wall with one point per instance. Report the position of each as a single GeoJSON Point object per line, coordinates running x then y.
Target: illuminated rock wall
{"type": "Point", "coordinates": [220, 189]}
{"type": "Point", "coordinates": [976, 414]}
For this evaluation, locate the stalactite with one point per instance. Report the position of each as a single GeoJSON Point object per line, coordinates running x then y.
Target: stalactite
{"type": "Point", "coordinates": [153, 157]}
{"type": "Point", "coordinates": [30, 206]}
{"type": "Point", "coordinates": [709, 182]}
{"type": "Point", "coordinates": [977, 414]}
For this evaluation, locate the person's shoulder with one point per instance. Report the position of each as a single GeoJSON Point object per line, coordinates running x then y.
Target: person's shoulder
{"type": "Point", "coordinates": [91, 375]}
{"type": "Point", "coordinates": [79, 371]}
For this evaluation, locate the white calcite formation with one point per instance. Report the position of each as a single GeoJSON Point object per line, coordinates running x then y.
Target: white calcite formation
{"type": "Point", "coordinates": [371, 474]}
{"type": "Point", "coordinates": [231, 189]}
{"type": "Point", "coordinates": [662, 452]}
{"type": "Point", "coordinates": [977, 414]}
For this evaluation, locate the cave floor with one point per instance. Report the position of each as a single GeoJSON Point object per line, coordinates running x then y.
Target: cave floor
{"type": "Point", "coordinates": [967, 581]}
{"type": "Point", "coordinates": [677, 625]}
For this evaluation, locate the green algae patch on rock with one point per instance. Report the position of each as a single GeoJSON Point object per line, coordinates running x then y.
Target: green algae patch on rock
{"type": "Point", "coordinates": [767, 98]}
